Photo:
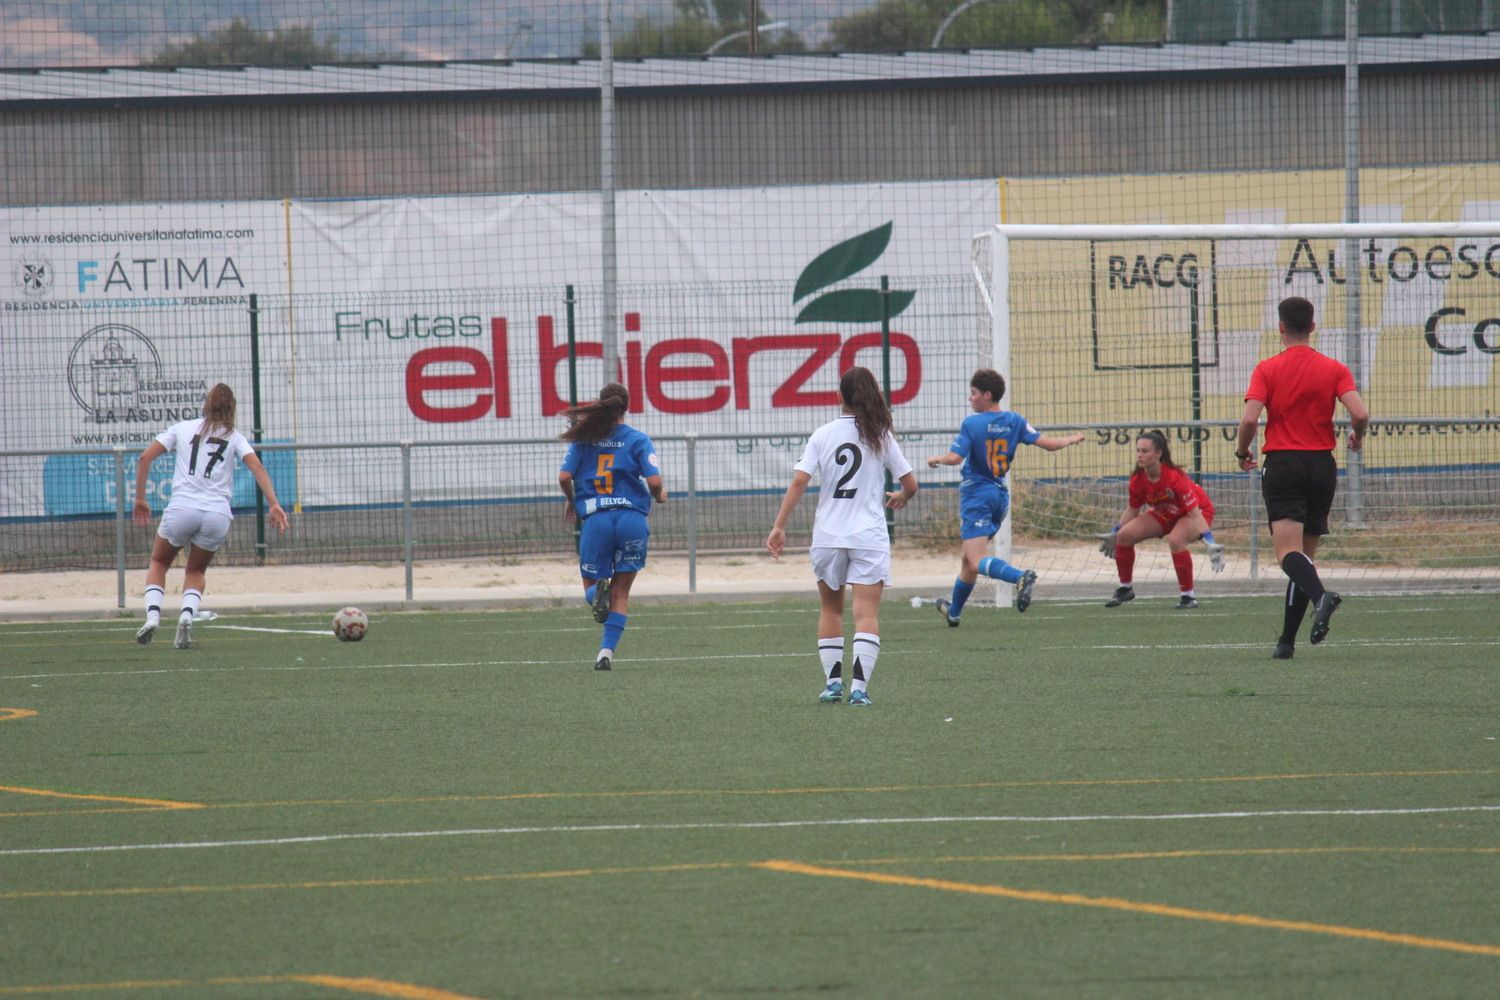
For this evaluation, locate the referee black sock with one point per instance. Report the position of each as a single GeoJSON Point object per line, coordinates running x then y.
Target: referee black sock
{"type": "Point", "coordinates": [1296, 607]}
{"type": "Point", "coordinates": [1304, 574]}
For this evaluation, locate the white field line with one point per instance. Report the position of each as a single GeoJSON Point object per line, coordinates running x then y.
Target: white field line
{"type": "Point", "coordinates": [635, 627]}
{"type": "Point", "coordinates": [501, 831]}
{"type": "Point", "coordinates": [1459, 641]}
{"type": "Point", "coordinates": [1436, 640]}
{"type": "Point", "coordinates": [284, 631]}
{"type": "Point", "coordinates": [975, 608]}
{"type": "Point", "coordinates": [574, 661]}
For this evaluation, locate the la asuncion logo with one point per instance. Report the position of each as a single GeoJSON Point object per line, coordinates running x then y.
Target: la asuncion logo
{"type": "Point", "coordinates": [847, 305]}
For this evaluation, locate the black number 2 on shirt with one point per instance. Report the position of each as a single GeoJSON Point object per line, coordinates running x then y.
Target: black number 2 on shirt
{"type": "Point", "coordinates": [850, 455]}
{"type": "Point", "coordinates": [217, 455]}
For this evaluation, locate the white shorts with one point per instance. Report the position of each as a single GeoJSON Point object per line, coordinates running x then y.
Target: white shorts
{"type": "Point", "coordinates": [206, 529]}
{"type": "Point", "coordinates": [837, 567]}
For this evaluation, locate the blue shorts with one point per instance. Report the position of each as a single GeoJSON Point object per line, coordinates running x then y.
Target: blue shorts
{"type": "Point", "coordinates": [981, 509]}
{"type": "Point", "coordinates": [613, 541]}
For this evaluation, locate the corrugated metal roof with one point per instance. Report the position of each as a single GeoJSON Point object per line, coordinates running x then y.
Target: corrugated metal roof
{"type": "Point", "coordinates": [136, 84]}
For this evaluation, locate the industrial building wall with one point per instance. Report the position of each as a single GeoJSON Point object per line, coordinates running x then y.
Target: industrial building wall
{"type": "Point", "coordinates": [705, 138]}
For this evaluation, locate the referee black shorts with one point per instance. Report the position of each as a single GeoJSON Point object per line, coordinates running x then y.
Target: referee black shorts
{"type": "Point", "coordinates": [1299, 486]}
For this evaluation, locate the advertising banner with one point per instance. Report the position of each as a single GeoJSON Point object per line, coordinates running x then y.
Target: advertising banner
{"type": "Point", "coordinates": [444, 319]}
{"type": "Point", "coordinates": [740, 309]}
{"type": "Point", "coordinates": [1422, 303]}
{"type": "Point", "coordinates": [1136, 330]}
{"type": "Point", "coordinates": [116, 321]}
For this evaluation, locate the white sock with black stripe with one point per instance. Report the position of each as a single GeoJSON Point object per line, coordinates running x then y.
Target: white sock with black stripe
{"type": "Point", "coordinates": [831, 652]}
{"type": "Point", "coordinates": [154, 595]}
{"type": "Point", "coordinates": [190, 601]}
{"type": "Point", "coordinates": [864, 651]}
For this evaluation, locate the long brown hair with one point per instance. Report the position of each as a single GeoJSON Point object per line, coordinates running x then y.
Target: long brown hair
{"type": "Point", "coordinates": [866, 403]}
{"type": "Point", "coordinates": [592, 421]}
{"type": "Point", "coordinates": [1159, 440]}
{"type": "Point", "coordinates": [218, 410]}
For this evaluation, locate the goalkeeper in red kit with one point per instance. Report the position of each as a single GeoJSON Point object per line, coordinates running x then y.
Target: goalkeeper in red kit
{"type": "Point", "coordinates": [1164, 503]}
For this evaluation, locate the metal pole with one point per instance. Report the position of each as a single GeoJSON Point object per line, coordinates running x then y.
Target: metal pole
{"type": "Point", "coordinates": [1196, 387]}
{"type": "Point", "coordinates": [569, 301]}
{"type": "Point", "coordinates": [406, 511]}
{"type": "Point", "coordinates": [1253, 519]}
{"type": "Point", "coordinates": [609, 311]}
{"type": "Point", "coordinates": [120, 524]}
{"type": "Point", "coordinates": [1353, 316]}
{"type": "Point", "coordinates": [1001, 334]}
{"type": "Point", "coordinates": [885, 337]}
{"type": "Point", "coordinates": [752, 11]}
{"type": "Point", "coordinates": [260, 500]}
{"type": "Point", "coordinates": [885, 381]}
{"type": "Point", "coordinates": [692, 498]}
{"type": "Point", "coordinates": [937, 36]}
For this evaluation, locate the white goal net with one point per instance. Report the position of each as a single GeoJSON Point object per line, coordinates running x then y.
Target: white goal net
{"type": "Point", "coordinates": [1114, 330]}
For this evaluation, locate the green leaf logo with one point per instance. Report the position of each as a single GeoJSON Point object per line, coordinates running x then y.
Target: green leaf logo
{"type": "Point", "coordinates": [852, 305]}
{"type": "Point", "coordinates": [837, 263]}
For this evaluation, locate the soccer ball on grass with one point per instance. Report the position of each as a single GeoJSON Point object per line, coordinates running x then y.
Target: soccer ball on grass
{"type": "Point", "coordinates": [351, 624]}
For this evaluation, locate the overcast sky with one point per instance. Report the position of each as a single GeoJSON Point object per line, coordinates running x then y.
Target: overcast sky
{"type": "Point", "coordinates": [123, 32]}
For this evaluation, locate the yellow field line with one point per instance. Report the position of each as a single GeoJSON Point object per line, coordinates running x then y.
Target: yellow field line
{"type": "Point", "coordinates": [370, 883]}
{"type": "Point", "coordinates": [649, 793]}
{"type": "Point", "coordinates": [419, 881]}
{"type": "Point", "coordinates": [7, 714]}
{"type": "Point", "coordinates": [1132, 906]}
{"type": "Point", "coordinates": [380, 988]}
{"type": "Point", "coordinates": [88, 812]}
{"type": "Point", "coordinates": [363, 985]}
{"type": "Point", "coordinates": [846, 789]}
{"type": "Point", "coordinates": [157, 803]}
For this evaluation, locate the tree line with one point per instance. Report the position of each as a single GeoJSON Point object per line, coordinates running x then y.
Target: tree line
{"type": "Point", "coordinates": [700, 25]}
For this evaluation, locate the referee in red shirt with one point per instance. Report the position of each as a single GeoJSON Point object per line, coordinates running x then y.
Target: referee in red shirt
{"type": "Point", "coordinates": [1296, 389]}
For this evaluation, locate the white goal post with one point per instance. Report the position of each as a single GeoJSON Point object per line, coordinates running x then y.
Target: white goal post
{"type": "Point", "coordinates": [1112, 327]}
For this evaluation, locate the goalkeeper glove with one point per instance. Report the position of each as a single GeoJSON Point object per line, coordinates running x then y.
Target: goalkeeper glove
{"type": "Point", "coordinates": [1107, 541]}
{"type": "Point", "coordinates": [1216, 556]}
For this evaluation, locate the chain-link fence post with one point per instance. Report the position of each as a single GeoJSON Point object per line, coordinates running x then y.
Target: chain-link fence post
{"type": "Point", "coordinates": [692, 514]}
{"type": "Point", "coordinates": [120, 523]}
{"type": "Point", "coordinates": [406, 512]}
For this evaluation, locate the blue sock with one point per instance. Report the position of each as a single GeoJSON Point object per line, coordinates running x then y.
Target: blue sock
{"type": "Point", "coordinates": [1208, 536]}
{"type": "Point", "coordinates": [614, 627]}
{"type": "Point", "coordinates": [961, 592]}
{"type": "Point", "coordinates": [588, 595]}
{"type": "Point", "coordinates": [999, 569]}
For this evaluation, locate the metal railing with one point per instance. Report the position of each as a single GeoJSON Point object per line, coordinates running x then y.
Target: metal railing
{"type": "Point", "coordinates": [1242, 503]}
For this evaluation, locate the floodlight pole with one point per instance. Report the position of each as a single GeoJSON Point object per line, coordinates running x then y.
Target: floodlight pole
{"type": "Point", "coordinates": [937, 38]}
{"type": "Point", "coordinates": [1353, 314]}
{"type": "Point", "coordinates": [609, 263]}
{"type": "Point", "coordinates": [752, 35]}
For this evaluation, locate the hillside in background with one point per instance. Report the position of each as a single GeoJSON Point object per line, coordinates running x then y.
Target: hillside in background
{"type": "Point", "coordinates": [128, 32]}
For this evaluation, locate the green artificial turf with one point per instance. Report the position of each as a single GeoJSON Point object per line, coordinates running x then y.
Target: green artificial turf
{"type": "Point", "coordinates": [1072, 803]}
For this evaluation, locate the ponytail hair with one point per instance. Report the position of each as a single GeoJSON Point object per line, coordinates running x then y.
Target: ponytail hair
{"type": "Point", "coordinates": [218, 410]}
{"type": "Point", "coordinates": [866, 403]}
{"type": "Point", "coordinates": [592, 421]}
{"type": "Point", "coordinates": [1159, 441]}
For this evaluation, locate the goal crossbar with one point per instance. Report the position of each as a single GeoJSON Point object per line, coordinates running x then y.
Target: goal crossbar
{"type": "Point", "coordinates": [1246, 231]}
